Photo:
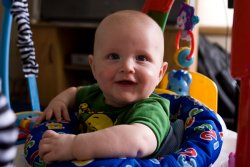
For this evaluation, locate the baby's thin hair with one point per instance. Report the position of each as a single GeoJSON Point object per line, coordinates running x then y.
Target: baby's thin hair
{"type": "Point", "coordinates": [127, 17]}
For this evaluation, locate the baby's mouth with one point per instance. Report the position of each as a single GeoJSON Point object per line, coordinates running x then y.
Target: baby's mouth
{"type": "Point", "coordinates": [126, 82]}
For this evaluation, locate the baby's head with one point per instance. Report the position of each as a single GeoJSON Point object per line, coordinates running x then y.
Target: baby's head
{"type": "Point", "coordinates": [128, 57]}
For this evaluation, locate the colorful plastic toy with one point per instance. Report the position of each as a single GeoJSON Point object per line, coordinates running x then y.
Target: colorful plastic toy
{"type": "Point", "coordinates": [25, 122]}
{"type": "Point", "coordinates": [185, 22]}
{"type": "Point", "coordinates": [184, 56]}
{"type": "Point", "coordinates": [179, 81]}
{"type": "Point", "coordinates": [186, 18]}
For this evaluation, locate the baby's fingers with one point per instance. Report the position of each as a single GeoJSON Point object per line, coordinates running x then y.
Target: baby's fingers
{"type": "Point", "coordinates": [48, 158]}
{"type": "Point", "coordinates": [58, 116]}
{"type": "Point", "coordinates": [47, 115]}
{"type": "Point", "coordinates": [62, 113]}
{"type": "Point", "coordinates": [45, 151]}
{"type": "Point", "coordinates": [48, 145]}
{"type": "Point", "coordinates": [65, 114]}
{"type": "Point", "coordinates": [48, 134]}
{"type": "Point", "coordinates": [40, 119]}
{"type": "Point", "coordinates": [44, 148]}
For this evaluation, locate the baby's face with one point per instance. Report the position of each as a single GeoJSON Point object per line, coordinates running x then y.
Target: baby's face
{"type": "Point", "coordinates": [127, 63]}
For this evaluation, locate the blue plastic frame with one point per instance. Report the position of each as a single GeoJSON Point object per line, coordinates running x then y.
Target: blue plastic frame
{"type": "Point", "coordinates": [5, 47]}
{"type": "Point", "coordinates": [4, 60]}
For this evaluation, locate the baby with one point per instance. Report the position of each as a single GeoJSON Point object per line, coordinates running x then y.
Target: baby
{"type": "Point", "coordinates": [121, 115]}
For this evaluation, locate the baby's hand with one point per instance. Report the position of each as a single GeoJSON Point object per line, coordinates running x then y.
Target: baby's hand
{"type": "Point", "coordinates": [56, 147]}
{"type": "Point", "coordinates": [56, 108]}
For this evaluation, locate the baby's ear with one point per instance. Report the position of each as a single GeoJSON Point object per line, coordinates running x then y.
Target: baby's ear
{"type": "Point", "coordinates": [90, 59]}
{"type": "Point", "coordinates": [91, 63]}
{"type": "Point", "coordinates": [163, 70]}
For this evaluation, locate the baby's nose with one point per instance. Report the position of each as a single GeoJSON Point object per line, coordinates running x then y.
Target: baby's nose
{"type": "Point", "coordinates": [127, 66]}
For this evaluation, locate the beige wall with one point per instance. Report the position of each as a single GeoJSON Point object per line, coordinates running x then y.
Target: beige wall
{"type": "Point", "coordinates": [216, 21]}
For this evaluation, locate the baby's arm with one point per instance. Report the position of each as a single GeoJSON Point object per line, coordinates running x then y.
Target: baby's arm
{"type": "Point", "coordinates": [59, 105]}
{"type": "Point", "coordinates": [135, 140]}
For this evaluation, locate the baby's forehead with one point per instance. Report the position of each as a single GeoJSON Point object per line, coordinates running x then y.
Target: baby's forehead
{"type": "Point", "coordinates": [127, 23]}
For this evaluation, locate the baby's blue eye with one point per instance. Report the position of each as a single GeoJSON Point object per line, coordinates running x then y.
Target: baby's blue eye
{"type": "Point", "coordinates": [113, 56]}
{"type": "Point", "coordinates": [141, 58]}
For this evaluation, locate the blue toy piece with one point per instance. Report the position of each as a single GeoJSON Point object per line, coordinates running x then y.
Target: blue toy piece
{"type": "Point", "coordinates": [179, 81]}
{"type": "Point", "coordinates": [181, 57]}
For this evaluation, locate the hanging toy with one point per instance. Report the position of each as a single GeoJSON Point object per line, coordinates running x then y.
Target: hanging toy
{"type": "Point", "coordinates": [185, 22]}
{"type": "Point", "coordinates": [184, 56]}
{"type": "Point", "coordinates": [179, 81]}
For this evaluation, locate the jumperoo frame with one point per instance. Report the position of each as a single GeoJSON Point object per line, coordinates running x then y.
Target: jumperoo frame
{"type": "Point", "coordinates": [17, 8]}
{"type": "Point", "coordinates": [4, 48]}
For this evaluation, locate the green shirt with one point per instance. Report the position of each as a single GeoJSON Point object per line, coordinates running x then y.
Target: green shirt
{"type": "Point", "coordinates": [95, 114]}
